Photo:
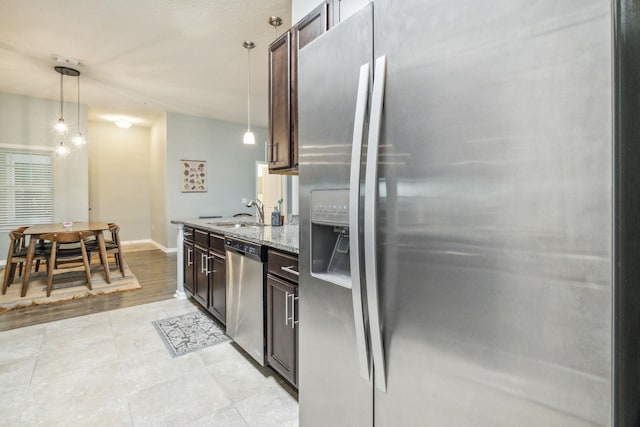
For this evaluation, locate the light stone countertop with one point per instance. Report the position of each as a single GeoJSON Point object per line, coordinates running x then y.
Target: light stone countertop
{"type": "Point", "coordinates": [285, 237]}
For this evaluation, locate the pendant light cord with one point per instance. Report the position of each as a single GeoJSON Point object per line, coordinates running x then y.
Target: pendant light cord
{"type": "Point", "coordinates": [79, 104]}
{"type": "Point", "coordinates": [249, 90]}
{"type": "Point", "coordinates": [61, 98]}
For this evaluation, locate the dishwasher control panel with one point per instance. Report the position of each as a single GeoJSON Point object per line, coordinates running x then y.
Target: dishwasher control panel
{"type": "Point", "coordinates": [247, 248]}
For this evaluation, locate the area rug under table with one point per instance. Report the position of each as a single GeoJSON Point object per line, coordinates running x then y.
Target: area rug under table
{"type": "Point", "coordinates": [189, 332]}
{"type": "Point", "coordinates": [66, 287]}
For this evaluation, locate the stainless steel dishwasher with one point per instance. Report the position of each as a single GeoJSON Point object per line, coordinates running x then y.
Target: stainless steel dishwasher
{"type": "Point", "coordinates": [246, 270]}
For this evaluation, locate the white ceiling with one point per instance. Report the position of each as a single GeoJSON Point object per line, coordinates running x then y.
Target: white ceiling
{"type": "Point", "coordinates": [140, 58]}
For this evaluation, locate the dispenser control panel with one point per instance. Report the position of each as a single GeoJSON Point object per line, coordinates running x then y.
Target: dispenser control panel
{"type": "Point", "coordinates": [330, 207]}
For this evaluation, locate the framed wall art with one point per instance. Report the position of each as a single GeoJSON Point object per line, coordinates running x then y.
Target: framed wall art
{"type": "Point", "coordinates": [193, 176]}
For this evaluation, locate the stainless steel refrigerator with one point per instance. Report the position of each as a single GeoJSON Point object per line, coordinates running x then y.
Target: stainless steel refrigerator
{"type": "Point", "coordinates": [462, 200]}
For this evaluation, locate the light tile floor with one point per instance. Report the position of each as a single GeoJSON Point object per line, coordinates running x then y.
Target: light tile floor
{"type": "Point", "coordinates": [112, 369]}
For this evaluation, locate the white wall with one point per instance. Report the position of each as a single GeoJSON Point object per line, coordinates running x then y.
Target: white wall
{"type": "Point", "coordinates": [158, 176]}
{"type": "Point", "coordinates": [119, 178]}
{"type": "Point", "coordinates": [230, 168]}
{"type": "Point", "coordinates": [29, 121]}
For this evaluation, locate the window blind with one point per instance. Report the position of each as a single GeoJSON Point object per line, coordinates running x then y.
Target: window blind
{"type": "Point", "coordinates": [26, 187]}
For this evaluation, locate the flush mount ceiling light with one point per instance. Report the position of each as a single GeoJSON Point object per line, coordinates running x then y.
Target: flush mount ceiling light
{"type": "Point", "coordinates": [123, 124]}
{"type": "Point", "coordinates": [249, 138]}
{"type": "Point", "coordinates": [61, 127]}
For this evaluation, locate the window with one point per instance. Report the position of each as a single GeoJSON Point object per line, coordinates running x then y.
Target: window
{"type": "Point", "coordinates": [26, 187]}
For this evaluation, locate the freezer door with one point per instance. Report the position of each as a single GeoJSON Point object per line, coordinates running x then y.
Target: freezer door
{"type": "Point", "coordinates": [334, 384]}
{"type": "Point", "coordinates": [494, 223]}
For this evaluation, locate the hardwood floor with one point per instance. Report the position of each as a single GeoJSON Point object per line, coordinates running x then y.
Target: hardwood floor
{"type": "Point", "coordinates": [155, 270]}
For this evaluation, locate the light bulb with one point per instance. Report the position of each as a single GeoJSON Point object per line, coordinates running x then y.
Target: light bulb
{"type": "Point", "coordinates": [61, 126]}
{"type": "Point", "coordinates": [78, 140]}
{"type": "Point", "coordinates": [123, 124]}
{"type": "Point", "coordinates": [249, 139]}
{"type": "Point", "coordinates": [62, 150]}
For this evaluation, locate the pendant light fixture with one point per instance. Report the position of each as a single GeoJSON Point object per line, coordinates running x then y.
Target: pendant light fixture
{"type": "Point", "coordinates": [61, 127]}
{"type": "Point", "coordinates": [249, 138]}
{"type": "Point", "coordinates": [275, 22]}
{"type": "Point", "coordinates": [62, 150]}
{"type": "Point", "coordinates": [78, 140]}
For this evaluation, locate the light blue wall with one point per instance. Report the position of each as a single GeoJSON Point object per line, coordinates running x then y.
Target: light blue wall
{"type": "Point", "coordinates": [230, 168]}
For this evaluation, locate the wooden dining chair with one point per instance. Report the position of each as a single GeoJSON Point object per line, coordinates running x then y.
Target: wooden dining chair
{"type": "Point", "coordinates": [17, 257]}
{"type": "Point", "coordinates": [61, 257]}
{"type": "Point", "coordinates": [112, 246]}
{"type": "Point", "coordinates": [21, 245]}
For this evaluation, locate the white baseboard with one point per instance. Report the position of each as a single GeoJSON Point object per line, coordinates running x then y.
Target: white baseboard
{"type": "Point", "coordinates": [150, 241]}
{"type": "Point", "coordinates": [134, 242]}
{"type": "Point", "coordinates": [162, 248]}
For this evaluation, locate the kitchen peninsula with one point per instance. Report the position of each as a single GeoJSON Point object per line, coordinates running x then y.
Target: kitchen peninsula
{"type": "Point", "coordinates": [245, 274]}
{"type": "Point", "coordinates": [283, 237]}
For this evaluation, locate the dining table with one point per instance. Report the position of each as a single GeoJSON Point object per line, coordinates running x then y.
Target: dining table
{"type": "Point", "coordinates": [36, 230]}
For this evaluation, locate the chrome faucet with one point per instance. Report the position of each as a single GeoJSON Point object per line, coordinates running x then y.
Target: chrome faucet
{"type": "Point", "coordinates": [259, 207]}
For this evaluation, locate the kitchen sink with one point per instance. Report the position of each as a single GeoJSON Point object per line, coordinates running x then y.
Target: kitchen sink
{"type": "Point", "coordinates": [237, 224]}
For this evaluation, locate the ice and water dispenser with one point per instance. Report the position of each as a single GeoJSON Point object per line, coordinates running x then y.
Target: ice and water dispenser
{"type": "Point", "coordinates": [330, 236]}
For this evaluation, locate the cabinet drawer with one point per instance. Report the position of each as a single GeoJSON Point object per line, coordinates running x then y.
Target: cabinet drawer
{"type": "Point", "coordinates": [216, 243]}
{"type": "Point", "coordinates": [188, 233]}
{"type": "Point", "coordinates": [283, 265]}
{"type": "Point", "coordinates": [201, 238]}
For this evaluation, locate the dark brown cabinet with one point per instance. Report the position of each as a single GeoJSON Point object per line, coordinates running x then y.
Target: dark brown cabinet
{"type": "Point", "coordinates": [316, 23]}
{"type": "Point", "coordinates": [218, 279]}
{"type": "Point", "coordinates": [202, 272]}
{"type": "Point", "coordinates": [204, 268]}
{"type": "Point", "coordinates": [282, 314]}
{"type": "Point", "coordinates": [281, 137]}
{"type": "Point", "coordinates": [187, 265]}
{"type": "Point", "coordinates": [282, 153]}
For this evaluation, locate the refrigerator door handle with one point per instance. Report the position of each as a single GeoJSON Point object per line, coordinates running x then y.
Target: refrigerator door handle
{"type": "Point", "coordinates": [354, 224]}
{"type": "Point", "coordinates": [370, 206]}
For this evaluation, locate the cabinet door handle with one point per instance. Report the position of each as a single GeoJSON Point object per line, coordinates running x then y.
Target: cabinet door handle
{"type": "Point", "coordinates": [270, 151]}
{"type": "Point", "coordinates": [189, 260]}
{"type": "Point", "coordinates": [202, 270]}
{"type": "Point", "coordinates": [290, 269]}
{"type": "Point", "coordinates": [294, 298]}
{"type": "Point", "coordinates": [286, 308]}
{"type": "Point", "coordinates": [206, 264]}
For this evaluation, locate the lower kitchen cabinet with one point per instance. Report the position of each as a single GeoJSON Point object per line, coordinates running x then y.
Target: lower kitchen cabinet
{"type": "Point", "coordinates": [218, 288]}
{"type": "Point", "coordinates": [282, 315]}
{"type": "Point", "coordinates": [187, 265]}
{"type": "Point", "coordinates": [204, 270]}
{"type": "Point", "coordinates": [202, 273]}
{"type": "Point", "coordinates": [282, 331]}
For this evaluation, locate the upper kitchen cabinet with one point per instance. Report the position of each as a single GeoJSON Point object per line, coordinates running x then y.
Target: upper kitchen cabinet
{"type": "Point", "coordinates": [281, 137]}
{"type": "Point", "coordinates": [282, 153]}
